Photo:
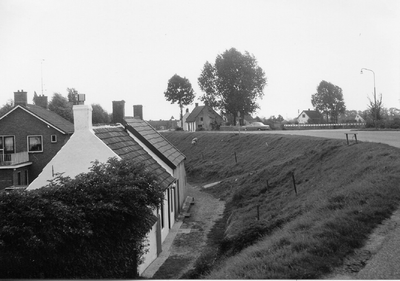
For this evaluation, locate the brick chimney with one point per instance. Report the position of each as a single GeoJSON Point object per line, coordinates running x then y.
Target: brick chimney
{"type": "Point", "coordinates": [20, 98]}
{"type": "Point", "coordinates": [42, 101]}
{"type": "Point", "coordinates": [138, 111]}
{"type": "Point", "coordinates": [118, 113]}
{"type": "Point", "coordinates": [82, 117]}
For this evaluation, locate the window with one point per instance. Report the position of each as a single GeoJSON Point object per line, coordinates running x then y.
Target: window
{"type": "Point", "coordinates": [53, 138]}
{"type": "Point", "coordinates": [7, 144]}
{"type": "Point", "coordinates": [201, 118]}
{"type": "Point", "coordinates": [35, 144]}
{"type": "Point", "coordinates": [304, 116]}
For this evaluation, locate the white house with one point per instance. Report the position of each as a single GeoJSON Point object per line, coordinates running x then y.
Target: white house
{"type": "Point", "coordinates": [310, 117]}
{"type": "Point", "coordinates": [131, 138]}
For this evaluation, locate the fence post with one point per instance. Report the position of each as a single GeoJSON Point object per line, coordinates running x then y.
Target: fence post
{"type": "Point", "coordinates": [294, 183]}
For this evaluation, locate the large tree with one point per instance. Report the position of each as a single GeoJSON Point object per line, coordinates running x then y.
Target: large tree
{"type": "Point", "coordinates": [233, 83]}
{"type": "Point", "coordinates": [99, 115]}
{"type": "Point", "coordinates": [6, 107]}
{"type": "Point", "coordinates": [60, 105]}
{"type": "Point", "coordinates": [179, 91]}
{"type": "Point", "coordinates": [329, 100]}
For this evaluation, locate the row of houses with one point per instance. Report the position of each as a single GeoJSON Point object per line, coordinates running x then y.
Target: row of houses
{"type": "Point", "coordinates": [37, 145]}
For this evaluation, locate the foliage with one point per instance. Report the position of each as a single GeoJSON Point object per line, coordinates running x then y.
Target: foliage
{"type": "Point", "coordinates": [6, 107]}
{"type": "Point", "coordinates": [233, 83]}
{"type": "Point", "coordinates": [92, 226]}
{"type": "Point", "coordinates": [329, 100]}
{"type": "Point", "coordinates": [375, 109]}
{"type": "Point", "coordinates": [99, 115]}
{"type": "Point", "coordinates": [72, 95]}
{"type": "Point", "coordinates": [60, 105]}
{"type": "Point", "coordinates": [179, 91]}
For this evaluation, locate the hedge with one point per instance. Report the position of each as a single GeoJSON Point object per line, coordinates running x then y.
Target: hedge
{"type": "Point", "coordinates": [93, 226]}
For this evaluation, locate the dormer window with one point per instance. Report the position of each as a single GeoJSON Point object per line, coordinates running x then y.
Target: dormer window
{"type": "Point", "coordinates": [35, 144]}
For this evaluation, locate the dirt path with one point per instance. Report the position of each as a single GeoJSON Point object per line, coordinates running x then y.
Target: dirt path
{"type": "Point", "coordinates": [192, 236]}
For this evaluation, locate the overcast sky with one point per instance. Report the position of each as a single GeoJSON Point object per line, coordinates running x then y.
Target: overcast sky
{"type": "Point", "coordinates": [128, 50]}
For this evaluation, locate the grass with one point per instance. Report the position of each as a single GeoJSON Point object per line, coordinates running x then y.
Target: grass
{"type": "Point", "coordinates": [344, 192]}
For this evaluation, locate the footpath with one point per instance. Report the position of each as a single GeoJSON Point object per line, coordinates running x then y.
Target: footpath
{"type": "Point", "coordinates": [187, 237]}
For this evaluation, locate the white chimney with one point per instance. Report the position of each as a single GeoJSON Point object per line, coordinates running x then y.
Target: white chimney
{"type": "Point", "coordinates": [82, 117]}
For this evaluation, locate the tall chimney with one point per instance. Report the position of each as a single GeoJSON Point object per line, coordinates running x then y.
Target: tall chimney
{"type": "Point", "coordinates": [196, 104]}
{"type": "Point", "coordinates": [20, 98]}
{"type": "Point", "coordinates": [138, 111]}
{"type": "Point", "coordinates": [82, 117]}
{"type": "Point", "coordinates": [42, 101]}
{"type": "Point", "coordinates": [118, 113]}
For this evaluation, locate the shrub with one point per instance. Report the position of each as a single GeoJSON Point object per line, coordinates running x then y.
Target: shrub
{"type": "Point", "coordinates": [178, 129]}
{"type": "Point", "coordinates": [92, 226]}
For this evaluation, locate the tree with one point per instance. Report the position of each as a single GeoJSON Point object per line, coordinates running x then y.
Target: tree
{"type": "Point", "coordinates": [329, 100]}
{"type": "Point", "coordinates": [179, 91]}
{"type": "Point", "coordinates": [233, 83]}
{"type": "Point", "coordinates": [375, 109]}
{"type": "Point", "coordinates": [61, 106]}
{"type": "Point", "coordinates": [6, 107]}
{"type": "Point", "coordinates": [72, 95]}
{"type": "Point", "coordinates": [99, 115]}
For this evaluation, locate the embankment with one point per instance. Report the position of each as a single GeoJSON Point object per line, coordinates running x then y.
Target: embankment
{"type": "Point", "coordinates": [296, 206]}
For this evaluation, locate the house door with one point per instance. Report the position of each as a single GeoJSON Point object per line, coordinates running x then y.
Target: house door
{"type": "Point", "coordinates": [158, 235]}
{"type": "Point", "coordinates": [169, 206]}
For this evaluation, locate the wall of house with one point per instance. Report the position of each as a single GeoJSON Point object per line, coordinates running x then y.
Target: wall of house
{"type": "Point", "coordinates": [21, 124]}
{"type": "Point", "coordinates": [204, 120]}
{"type": "Point", "coordinates": [6, 178]}
{"type": "Point", "coordinates": [303, 118]}
{"type": "Point", "coordinates": [151, 248]}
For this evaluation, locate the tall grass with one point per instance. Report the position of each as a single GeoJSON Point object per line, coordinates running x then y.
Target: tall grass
{"type": "Point", "coordinates": [344, 192]}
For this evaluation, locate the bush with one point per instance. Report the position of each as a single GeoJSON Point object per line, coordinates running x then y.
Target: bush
{"type": "Point", "coordinates": [178, 129]}
{"type": "Point", "coordinates": [92, 226]}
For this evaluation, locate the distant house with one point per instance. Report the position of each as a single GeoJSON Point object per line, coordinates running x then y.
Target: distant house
{"type": "Point", "coordinates": [130, 138]}
{"type": "Point", "coordinates": [359, 119]}
{"type": "Point", "coordinates": [310, 117]}
{"type": "Point", "coordinates": [203, 118]}
{"type": "Point", "coordinates": [30, 136]}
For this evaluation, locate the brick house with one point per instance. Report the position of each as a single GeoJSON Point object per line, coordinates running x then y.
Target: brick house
{"type": "Point", "coordinates": [129, 138]}
{"type": "Point", "coordinates": [203, 118]}
{"type": "Point", "coordinates": [30, 136]}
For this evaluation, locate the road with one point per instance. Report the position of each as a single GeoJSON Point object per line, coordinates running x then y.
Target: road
{"type": "Point", "coordinates": [388, 137]}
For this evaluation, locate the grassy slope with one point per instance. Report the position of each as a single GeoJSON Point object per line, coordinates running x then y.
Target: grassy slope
{"type": "Point", "coordinates": [343, 193]}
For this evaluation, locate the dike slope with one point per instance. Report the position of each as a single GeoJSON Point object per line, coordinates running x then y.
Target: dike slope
{"type": "Point", "coordinates": [272, 230]}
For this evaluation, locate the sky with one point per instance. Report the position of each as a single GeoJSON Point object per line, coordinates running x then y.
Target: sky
{"type": "Point", "coordinates": [128, 49]}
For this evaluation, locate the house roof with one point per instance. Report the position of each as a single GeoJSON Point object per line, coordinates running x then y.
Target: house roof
{"type": "Point", "coordinates": [195, 112]}
{"type": "Point", "coordinates": [156, 142]}
{"type": "Point", "coordinates": [313, 114]}
{"type": "Point", "coordinates": [117, 139]}
{"type": "Point", "coordinates": [49, 117]}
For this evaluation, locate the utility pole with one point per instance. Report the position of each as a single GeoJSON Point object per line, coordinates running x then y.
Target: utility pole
{"type": "Point", "coordinates": [41, 73]}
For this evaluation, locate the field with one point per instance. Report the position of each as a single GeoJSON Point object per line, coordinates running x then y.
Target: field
{"type": "Point", "coordinates": [295, 206]}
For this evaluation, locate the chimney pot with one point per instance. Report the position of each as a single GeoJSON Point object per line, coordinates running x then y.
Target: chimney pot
{"type": "Point", "coordinates": [138, 111]}
{"type": "Point", "coordinates": [118, 113]}
{"type": "Point", "coordinates": [20, 98]}
{"type": "Point", "coordinates": [82, 117]}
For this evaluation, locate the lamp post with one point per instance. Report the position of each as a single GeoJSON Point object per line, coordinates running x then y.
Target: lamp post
{"type": "Point", "coordinates": [375, 109]}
